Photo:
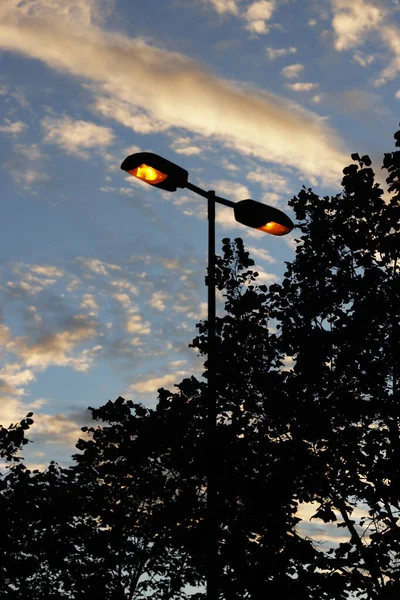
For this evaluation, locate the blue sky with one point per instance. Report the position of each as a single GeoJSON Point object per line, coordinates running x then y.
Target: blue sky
{"type": "Point", "coordinates": [102, 277]}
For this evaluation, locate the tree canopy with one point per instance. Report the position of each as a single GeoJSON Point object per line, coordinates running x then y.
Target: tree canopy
{"type": "Point", "coordinates": [307, 384]}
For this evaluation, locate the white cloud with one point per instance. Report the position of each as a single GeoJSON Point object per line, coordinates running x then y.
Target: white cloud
{"type": "Point", "coordinates": [397, 94]}
{"type": "Point", "coordinates": [312, 22]}
{"type": "Point", "coordinates": [224, 6]}
{"type": "Point", "coordinates": [268, 179]}
{"type": "Point", "coordinates": [277, 52]}
{"type": "Point", "coordinates": [29, 176]}
{"type": "Point", "coordinates": [79, 14]}
{"type": "Point", "coordinates": [128, 115]}
{"type": "Point", "coordinates": [97, 266]}
{"type": "Point", "coordinates": [59, 349]}
{"type": "Point", "coordinates": [257, 15]}
{"type": "Point", "coordinates": [302, 87]}
{"type": "Point", "coordinates": [391, 37]}
{"type": "Point", "coordinates": [13, 376]}
{"type": "Point", "coordinates": [153, 384]}
{"type": "Point", "coordinates": [185, 145]}
{"type": "Point", "coordinates": [136, 325]}
{"type": "Point", "coordinates": [317, 98]}
{"type": "Point", "coordinates": [352, 21]}
{"type": "Point", "coordinates": [230, 190]}
{"type": "Point", "coordinates": [13, 127]}
{"type": "Point", "coordinates": [292, 71]}
{"type": "Point", "coordinates": [363, 59]}
{"type": "Point", "coordinates": [260, 254]}
{"type": "Point", "coordinates": [55, 429]}
{"type": "Point", "coordinates": [179, 93]}
{"type": "Point", "coordinates": [89, 302]}
{"type": "Point", "coordinates": [157, 300]}
{"type": "Point", "coordinates": [76, 137]}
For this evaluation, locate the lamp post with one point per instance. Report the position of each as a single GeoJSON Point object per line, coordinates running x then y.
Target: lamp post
{"type": "Point", "coordinates": [165, 175]}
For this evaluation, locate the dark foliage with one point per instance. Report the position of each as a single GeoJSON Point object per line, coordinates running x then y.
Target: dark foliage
{"type": "Point", "coordinates": [128, 520]}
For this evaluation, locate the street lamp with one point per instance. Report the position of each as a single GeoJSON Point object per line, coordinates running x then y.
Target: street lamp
{"type": "Point", "coordinates": [165, 175]}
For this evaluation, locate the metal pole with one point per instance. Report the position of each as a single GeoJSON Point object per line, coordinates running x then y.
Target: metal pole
{"type": "Point", "coordinates": [212, 518]}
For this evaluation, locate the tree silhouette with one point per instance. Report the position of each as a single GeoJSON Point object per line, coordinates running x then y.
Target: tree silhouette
{"type": "Point", "coordinates": [128, 519]}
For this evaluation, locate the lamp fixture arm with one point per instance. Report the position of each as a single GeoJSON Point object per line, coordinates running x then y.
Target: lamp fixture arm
{"type": "Point", "coordinates": [200, 192]}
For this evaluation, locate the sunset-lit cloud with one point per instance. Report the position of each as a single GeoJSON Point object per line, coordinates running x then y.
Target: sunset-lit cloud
{"type": "Point", "coordinates": [173, 90]}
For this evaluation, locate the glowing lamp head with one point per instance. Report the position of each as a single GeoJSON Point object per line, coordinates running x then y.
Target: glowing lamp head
{"type": "Point", "coordinates": [148, 174]}
{"type": "Point", "coordinates": [275, 228]}
{"type": "Point", "coordinates": [156, 170]}
{"type": "Point", "coordinates": [262, 217]}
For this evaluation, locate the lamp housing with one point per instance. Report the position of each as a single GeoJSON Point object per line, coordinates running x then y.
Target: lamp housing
{"type": "Point", "coordinates": [155, 170]}
{"type": "Point", "coordinates": [260, 216]}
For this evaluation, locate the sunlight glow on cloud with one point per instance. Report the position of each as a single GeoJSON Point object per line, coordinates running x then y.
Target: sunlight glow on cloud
{"type": "Point", "coordinates": [177, 92]}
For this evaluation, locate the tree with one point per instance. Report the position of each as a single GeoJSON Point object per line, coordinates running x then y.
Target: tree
{"type": "Point", "coordinates": [325, 431]}
{"type": "Point", "coordinates": [338, 315]}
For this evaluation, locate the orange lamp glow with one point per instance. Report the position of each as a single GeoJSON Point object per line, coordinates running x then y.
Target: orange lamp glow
{"type": "Point", "coordinates": [274, 228]}
{"type": "Point", "coordinates": [148, 174]}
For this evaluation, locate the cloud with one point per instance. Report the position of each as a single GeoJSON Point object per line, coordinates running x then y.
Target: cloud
{"type": "Point", "coordinates": [302, 87]}
{"type": "Point", "coordinates": [268, 179]}
{"type": "Point", "coordinates": [13, 127]}
{"type": "Point", "coordinates": [89, 302]}
{"type": "Point", "coordinates": [363, 59]}
{"type": "Point", "coordinates": [352, 21]}
{"type": "Point", "coordinates": [136, 325]}
{"type": "Point", "coordinates": [157, 300]}
{"type": "Point", "coordinates": [230, 189]}
{"type": "Point", "coordinates": [79, 14]}
{"type": "Point", "coordinates": [151, 385]}
{"type": "Point", "coordinates": [55, 429]}
{"type": "Point", "coordinates": [177, 92]}
{"type": "Point", "coordinates": [397, 94]}
{"type": "Point", "coordinates": [292, 71]}
{"type": "Point", "coordinates": [257, 15]}
{"type": "Point", "coordinates": [97, 266]}
{"type": "Point", "coordinates": [184, 145]}
{"type": "Point", "coordinates": [274, 53]}
{"type": "Point", "coordinates": [76, 137]}
{"type": "Point", "coordinates": [224, 6]}
{"type": "Point", "coordinates": [59, 349]}
{"type": "Point", "coordinates": [391, 37]}
{"type": "Point", "coordinates": [260, 254]}
{"type": "Point", "coordinates": [12, 377]}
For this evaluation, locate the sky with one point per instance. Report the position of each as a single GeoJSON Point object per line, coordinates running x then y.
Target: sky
{"type": "Point", "coordinates": [102, 276]}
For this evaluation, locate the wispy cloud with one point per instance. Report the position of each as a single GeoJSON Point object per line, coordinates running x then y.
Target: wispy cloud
{"type": "Point", "coordinates": [175, 91]}
{"type": "Point", "coordinates": [274, 53]}
{"type": "Point", "coordinates": [13, 127]}
{"type": "Point", "coordinates": [292, 71]}
{"type": "Point", "coordinates": [302, 86]}
{"type": "Point", "coordinates": [76, 136]}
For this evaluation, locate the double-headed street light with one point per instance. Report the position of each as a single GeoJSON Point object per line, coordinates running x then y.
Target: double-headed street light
{"type": "Point", "coordinates": [165, 175]}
